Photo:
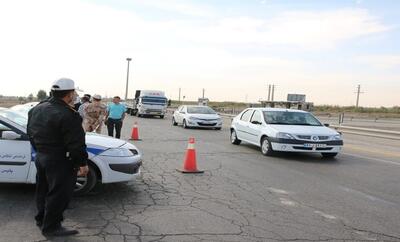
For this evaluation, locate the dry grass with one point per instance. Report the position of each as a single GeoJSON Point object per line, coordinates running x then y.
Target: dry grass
{"type": "Point", "coordinates": [8, 103]}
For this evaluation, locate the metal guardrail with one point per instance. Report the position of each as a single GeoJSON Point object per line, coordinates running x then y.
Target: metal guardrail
{"type": "Point", "coordinates": [377, 133]}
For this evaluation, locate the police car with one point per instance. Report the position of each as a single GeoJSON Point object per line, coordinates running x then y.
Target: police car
{"type": "Point", "coordinates": [110, 160]}
{"type": "Point", "coordinates": [286, 130]}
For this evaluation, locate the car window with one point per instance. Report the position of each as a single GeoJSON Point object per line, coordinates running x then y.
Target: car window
{"type": "Point", "coordinates": [15, 117]}
{"type": "Point", "coordinates": [180, 108]}
{"type": "Point", "coordinates": [4, 128]}
{"type": "Point", "coordinates": [200, 110]}
{"type": "Point", "coordinates": [290, 118]}
{"type": "Point", "coordinates": [256, 117]}
{"type": "Point", "coordinates": [246, 115]}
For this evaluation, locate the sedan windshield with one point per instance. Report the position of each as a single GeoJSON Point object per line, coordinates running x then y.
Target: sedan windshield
{"type": "Point", "coordinates": [200, 110]}
{"type": "Point", "coordinates": [154, 100]}
{"type": "Point", "coordinates": [290, 118]}
{"type": "Point", "coordinates": [15, 117]}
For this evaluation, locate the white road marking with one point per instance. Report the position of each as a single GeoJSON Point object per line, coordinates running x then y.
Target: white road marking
{"type": "Point", "coordinates": [328, 216]}
{"type": "Point", "coordinates": [279, 191]}
{"type": "Point", "coordinates": [287, 202]}
{"type": "Point", "coordinates": [369, 197]}
{"type": "Point", "coordinates": [374, 159]}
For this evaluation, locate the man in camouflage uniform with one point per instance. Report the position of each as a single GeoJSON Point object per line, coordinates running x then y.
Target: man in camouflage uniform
{"type": "Point", "coordinates": [94, 114]}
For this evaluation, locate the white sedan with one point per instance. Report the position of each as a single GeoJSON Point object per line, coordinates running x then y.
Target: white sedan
{"type": "Point", "coordinates": [110, 160]}
{"type": "Point", "coordinates": [196, 117]}
{"type": "Point", "coordinates": [288, 130]}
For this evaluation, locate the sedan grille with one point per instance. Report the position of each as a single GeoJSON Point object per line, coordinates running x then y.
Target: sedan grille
{"type": "Point", "coordinates": [323, 137]}
{"type": "Point", "coordinates": [309, 137]}
{"type": "Point", "coordinates": [306, 137]}
{"type": "Point", "coordinates": [206, 124]}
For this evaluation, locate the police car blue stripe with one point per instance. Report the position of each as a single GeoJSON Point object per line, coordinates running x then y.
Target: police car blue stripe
{"type": "Point", "coordinates": [94, 151]}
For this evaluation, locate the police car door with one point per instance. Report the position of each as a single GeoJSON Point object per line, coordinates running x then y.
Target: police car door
{"type": "Point", "coordinates": [15, 153]}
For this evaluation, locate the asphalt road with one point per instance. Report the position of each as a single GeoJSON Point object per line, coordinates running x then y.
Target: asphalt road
{"type": "Point", "coordinates": [242, 196]}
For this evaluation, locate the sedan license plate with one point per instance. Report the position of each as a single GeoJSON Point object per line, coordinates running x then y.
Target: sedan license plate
{"type": "Point", "coordinates": [315, 145]}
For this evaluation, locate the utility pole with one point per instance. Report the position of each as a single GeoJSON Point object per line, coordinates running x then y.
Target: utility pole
{"type": "Point", "coordinates": [358, 94]}
{"type": "Point", "coordinates": [179, 95]}
{"type": "Point", "coordinates": [127, 80]}
{"type": "Point", "coordinates": [273, 92]}
{"type": "Point", "coordinates": [203, 92]}
{"type": "Point", "coordinates": [269, 92]}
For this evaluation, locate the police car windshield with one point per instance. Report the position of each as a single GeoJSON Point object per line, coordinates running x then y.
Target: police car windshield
{"type": "Point", "coordinates": [290, 118]}
{"type": "Point", "coordinates": [200, 110]}
{"type": "Point", "coordinates": [15, 117]}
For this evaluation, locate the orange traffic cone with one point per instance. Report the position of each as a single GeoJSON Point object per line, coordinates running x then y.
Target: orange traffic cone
{"type": "Point", "coordinates": [189, 165]}
{"type": "Point", "coordinates": [135, 132]}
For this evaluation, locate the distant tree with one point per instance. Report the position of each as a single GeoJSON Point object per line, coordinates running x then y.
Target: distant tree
{"type": "Point", "coordinates": [41, 95]}
{"type": "Point", "coordinates": [30, 97]}
{"type": "Point", "coordinates": [21, 99]}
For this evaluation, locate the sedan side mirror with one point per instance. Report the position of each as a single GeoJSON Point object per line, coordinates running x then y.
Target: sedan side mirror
{"type": "Point", "coordinates": [326, 125]}
{"type": "Point", "coordinates": [10, 135]}
{"type": "Point", "coordinates": [182, 112]}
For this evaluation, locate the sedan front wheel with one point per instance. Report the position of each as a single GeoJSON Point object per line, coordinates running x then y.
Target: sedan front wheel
{"type": "Point", "coordinates": [174, 123]}
{"type": "Point", "coordinates": [184, 125]}
{"type": "Point", "coordinates": [266, 147]}
{"type": "Point", "coordinates": [234, 138]}
{"type": "Point", "coordinates": [85, 184]}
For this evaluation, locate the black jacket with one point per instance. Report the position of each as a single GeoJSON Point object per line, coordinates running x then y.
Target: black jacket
{"type": "Point", "coordinates": [56, 128]}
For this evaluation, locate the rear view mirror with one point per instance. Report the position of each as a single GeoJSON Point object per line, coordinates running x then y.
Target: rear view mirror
{"type": "Point", "coordinates": [10, 135]}
{"type": "Point", "coordinates": [256, 122]}
{"type": "Point", "coordinates": [326, 125]}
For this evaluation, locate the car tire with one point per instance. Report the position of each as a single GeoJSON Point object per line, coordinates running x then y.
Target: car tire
{"type": "Point", "coordinates": [161, 116]}
{"type": "Point", "coordinates": [184, 125]}
{"type": "Point", "coordinates": [234, 139]}
{"type": "Point", "coordinates": [266, 147]}
{"type": "Point", "coordinates": [174, 123]}
{"type": "Point", "coordinates": [86, 184]}
{"type": "Point", "coordinates": [219, 128]}
{"type": "Point", "coordinates": [329, 155]}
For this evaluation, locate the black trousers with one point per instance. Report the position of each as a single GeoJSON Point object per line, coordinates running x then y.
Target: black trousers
{"type": "Point", "coordinates": [114, 123]}
{"type": "Point", "coordinates": [55, 181]}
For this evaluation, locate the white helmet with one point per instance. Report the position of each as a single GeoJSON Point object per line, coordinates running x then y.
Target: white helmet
{"type": "Point", "coordinates": [63, 84]}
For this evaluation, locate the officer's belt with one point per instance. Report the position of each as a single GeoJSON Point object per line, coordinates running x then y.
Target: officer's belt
{"type": "Point", "coordinates": [53, 150]}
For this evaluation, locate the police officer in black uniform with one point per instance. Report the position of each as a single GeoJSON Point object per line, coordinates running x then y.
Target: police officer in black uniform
{"type": "Point", "coordinates": [56, 133]}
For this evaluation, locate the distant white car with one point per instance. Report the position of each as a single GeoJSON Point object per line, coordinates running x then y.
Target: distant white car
{"type": "Point", "coordinates": [110, 160]}
{"type": "Point", "coordinates": [287, 130]}
{"type": "Point", "coordinates": [196, 117]}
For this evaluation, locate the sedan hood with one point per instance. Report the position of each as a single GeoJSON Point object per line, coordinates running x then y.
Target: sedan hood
{"type": "Point", "coordinates": [94, 140]}
{"type": "Point", "coordinates": [304, 130]}
{"type": "Point", "coordinates": [204, 116]}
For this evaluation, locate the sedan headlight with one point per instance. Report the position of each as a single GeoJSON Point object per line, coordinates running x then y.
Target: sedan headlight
{"type": "Point", "coordinates": [119, 152]}
{"type": "Point", "coordinates": [282, 135]}
{"type": "Point", "coordinates": [337, 137]}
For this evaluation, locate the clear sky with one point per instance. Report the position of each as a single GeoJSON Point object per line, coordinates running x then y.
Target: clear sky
{"type": "Point", "coordinates": [232, 48]}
